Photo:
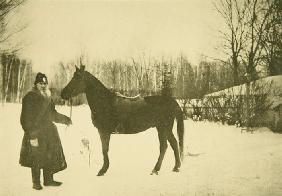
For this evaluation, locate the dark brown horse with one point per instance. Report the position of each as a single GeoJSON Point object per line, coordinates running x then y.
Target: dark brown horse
{"type": "Point", "coordinates": [112, 113]}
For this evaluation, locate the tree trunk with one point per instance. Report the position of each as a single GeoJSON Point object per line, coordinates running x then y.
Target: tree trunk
{"type": "Point", "coordinates": [21, 84]}
{"type": "Point", "coordinates": [8, 79]}
{"type": "Point", "coordinates": [248, 113]}
{"type": "Point", "coordinates": [2, 83]}
{"type": "Point", "coordinates": [235, 71]}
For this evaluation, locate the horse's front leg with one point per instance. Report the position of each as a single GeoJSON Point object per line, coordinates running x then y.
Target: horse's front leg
{"type": "Point", "coordinates": [105, 140]}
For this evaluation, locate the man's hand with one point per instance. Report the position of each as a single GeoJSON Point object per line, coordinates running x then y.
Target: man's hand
{"type": "Point", "coordinates": [34, 142]}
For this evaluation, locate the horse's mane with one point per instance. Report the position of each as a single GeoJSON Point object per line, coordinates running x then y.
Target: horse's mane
{"type": "Point", "coordinates": [98, 84]}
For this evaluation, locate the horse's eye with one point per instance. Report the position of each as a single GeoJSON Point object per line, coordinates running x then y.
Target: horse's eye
{"type": "Point", "coordinates": [78, 76]}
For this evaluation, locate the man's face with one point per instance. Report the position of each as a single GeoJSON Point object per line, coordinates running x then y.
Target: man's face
{"type": "Point", "coordinates": [42, 86]}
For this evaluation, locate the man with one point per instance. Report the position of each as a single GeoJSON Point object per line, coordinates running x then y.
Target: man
{"type": "Point", "coordinates": [41, 144]}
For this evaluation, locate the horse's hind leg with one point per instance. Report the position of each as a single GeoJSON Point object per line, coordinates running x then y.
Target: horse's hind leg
{"type": "Point", "coordinates": [174, 146]}
{"type": "Point", "coordinates": [105, 139]}
{"type": "Point", "coordinates": [162, 134]}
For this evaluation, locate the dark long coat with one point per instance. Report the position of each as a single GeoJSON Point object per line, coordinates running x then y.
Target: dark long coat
{"type": "Point", "coordinates": [37, 117]}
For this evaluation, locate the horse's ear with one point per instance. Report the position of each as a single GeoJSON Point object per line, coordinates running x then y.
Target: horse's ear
{"type": "Point", "coordinates": [82, 67]}
{"type": "Point", "coordinates": [76, 68]}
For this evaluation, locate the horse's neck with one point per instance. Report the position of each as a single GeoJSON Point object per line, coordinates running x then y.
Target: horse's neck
{"type": "Point", "coordinates": [98, 97]}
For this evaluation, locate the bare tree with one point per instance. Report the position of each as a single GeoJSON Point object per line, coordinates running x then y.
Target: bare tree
{"type": "Point", "coordinates": [259, 23]}
{"type": "Point", "coordinates": [234, 14]}
{"type": "Point", "coordinates": [6, 7]}
{"type": "Point", "coordinates": [8, 73]}
{"type": "Point", "coordinates": [21, 79]}
{"type": "Point", "coordinates": [113, 75]}
{"type": "Point", "coordinates": [253, 22]}
{"type": "Point", "coordinates": [138, 71]}
{"type": "Point", "coordinates": [272, 40]}
{"type": "Point", "coordinates": [249, 23]}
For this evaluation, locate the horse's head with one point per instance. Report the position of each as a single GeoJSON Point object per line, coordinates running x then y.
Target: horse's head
{"type": "Point", "coordinates": [77, 84]}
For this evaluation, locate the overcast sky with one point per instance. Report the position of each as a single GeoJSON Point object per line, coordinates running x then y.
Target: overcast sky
{"type": "Point", "coordinates": [60, 30]}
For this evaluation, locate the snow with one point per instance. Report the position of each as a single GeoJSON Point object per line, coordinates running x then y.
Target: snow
{"type": "Point", "coordinates": [224, 162]}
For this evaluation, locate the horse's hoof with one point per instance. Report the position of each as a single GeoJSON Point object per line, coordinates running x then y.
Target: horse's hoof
{"type": "Point", "coordinates": [175, 169]}
{"type": "Point", "coordinates": [154, 172]}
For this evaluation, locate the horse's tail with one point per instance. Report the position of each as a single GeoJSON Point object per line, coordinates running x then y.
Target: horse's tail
{"type": "Point", "coordinates": [180, 130]}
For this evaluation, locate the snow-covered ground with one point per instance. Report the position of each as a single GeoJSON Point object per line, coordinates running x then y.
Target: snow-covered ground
{"type": "Point", "coordinates": [227, 162]}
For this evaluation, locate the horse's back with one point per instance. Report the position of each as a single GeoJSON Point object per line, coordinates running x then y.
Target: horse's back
{"type": "Point", "coordinates": [126, 105]}
{"type": "Point", "coordinates": [162, 102]}
{"type": "Point", "coordinates": [134, 104]}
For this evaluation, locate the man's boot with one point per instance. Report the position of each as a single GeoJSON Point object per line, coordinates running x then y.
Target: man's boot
{"type": "Point", "coordinates": [48, 179]}
{"type": "Point", "coordinates": [35, 173]}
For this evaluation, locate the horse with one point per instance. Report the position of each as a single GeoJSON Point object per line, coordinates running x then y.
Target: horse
{"type": "Point", "coordinates": [112, 113]}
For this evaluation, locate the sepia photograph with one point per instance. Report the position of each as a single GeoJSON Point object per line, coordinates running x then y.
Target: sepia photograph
{"type": "Point", "coordinates": [141, 97]}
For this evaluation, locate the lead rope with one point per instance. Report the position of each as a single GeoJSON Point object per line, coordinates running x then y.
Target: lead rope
{"type": "Point", "coordinates": [70, 112]}
{"type": "Point", "coordinates": [84, 141]}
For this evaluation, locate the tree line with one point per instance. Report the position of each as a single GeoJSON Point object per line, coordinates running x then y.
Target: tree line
{"type": "Point", "coordinates": [145, 76]}
{"type": "Point", "coordinates": [252, 42]}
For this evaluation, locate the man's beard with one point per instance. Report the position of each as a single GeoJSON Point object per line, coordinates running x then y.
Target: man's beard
{"type": "Point", "coordinates": [45, 93]}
